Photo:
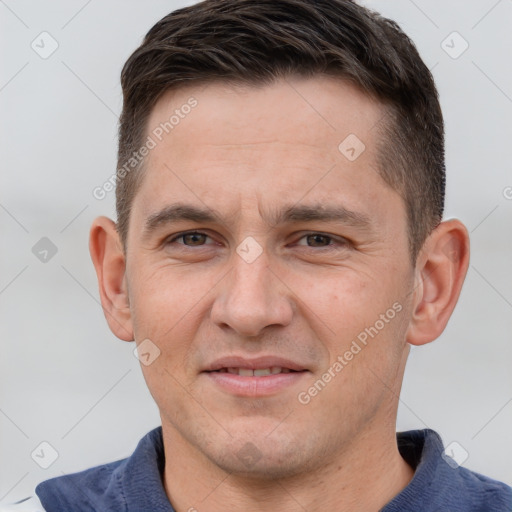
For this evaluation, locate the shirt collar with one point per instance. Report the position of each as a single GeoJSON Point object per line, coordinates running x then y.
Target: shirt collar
{"type": "Point", "coordinates": [136, 483]}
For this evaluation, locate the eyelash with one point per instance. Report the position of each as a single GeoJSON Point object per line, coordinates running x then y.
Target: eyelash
{"type": "Point", "coordinates": [342, 242]}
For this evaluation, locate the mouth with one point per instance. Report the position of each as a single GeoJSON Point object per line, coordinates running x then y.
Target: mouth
{"type": "Point", "coordinates": [259, 366]}
{"type": "Point", "coordinates": [264, 376]}
{"type": "Point", "coordinates": [257, 372]}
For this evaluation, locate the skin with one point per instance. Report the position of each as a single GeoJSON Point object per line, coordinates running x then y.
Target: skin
{"type": "Point", "coordinates": [246, 153]}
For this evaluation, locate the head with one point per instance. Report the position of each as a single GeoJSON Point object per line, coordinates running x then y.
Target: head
{"type": "Point", "coordinates": [302, 143]}
{"type": "Point", "coordinates": [256, 44]}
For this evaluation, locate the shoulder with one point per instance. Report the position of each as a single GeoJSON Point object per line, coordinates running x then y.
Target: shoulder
{"type": "Point", "coordinates": [110, 486]}
{"type": "Point", "coordinates": [441, 483]}
{"type": "Point", "coordinates": [482, 489]}
{"type": "Point", "coordinates": [30, 504]}
{"type": "Point", "coordinates": [87, 490]}
{"type": "Point", "coordinates": [83, 490]}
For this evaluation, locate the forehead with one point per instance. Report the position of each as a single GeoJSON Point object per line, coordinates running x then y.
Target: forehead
{"type": "Point", "coordinates": [234, 146]}
{"type": "Point", "coordinates": [316, 113]}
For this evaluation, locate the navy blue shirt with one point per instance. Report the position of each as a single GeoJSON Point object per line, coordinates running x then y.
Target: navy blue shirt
{"type": "Point", "coordinates": [135, 484]}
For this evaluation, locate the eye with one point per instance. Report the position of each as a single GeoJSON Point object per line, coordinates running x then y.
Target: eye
{"type": "Point", "coordinates": [190, 239]}
{"type": "Point", "coordinates": [311, 240]}
{"type": "Point", "coordinates": [320, 240]}
{"type": "Point", "coordinates": [317, 240]}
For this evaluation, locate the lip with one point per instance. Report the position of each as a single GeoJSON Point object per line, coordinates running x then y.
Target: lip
{"type": "Point", "coordinates": [255, 387]}
{"type": "Point", "coordinates": [245, 386]}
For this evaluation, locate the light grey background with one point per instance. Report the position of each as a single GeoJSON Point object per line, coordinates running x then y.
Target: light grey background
{"type": "Point", "coordinates": [65, 379]}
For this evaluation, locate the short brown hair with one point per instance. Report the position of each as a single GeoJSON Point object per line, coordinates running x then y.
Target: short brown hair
{"type": "Point", "coordinates": [255, 42]}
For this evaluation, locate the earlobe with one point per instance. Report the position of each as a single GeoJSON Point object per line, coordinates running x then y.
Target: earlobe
{"type": "Point", "coordinates": [440, 273]}
{"type": "Point", "coordinates": [109, 261]}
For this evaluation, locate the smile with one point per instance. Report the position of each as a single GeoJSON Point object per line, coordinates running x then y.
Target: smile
{"type": "Point", "coordinates": [259, 372]}
{"type": "Point", "coordinates": [257, 382]}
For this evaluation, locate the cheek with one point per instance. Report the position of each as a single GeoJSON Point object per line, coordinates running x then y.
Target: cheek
{"type": "Point", "coordinates": [165, 300]}
{"type": "Point", "coordinates": [360, 321]}
{"type": "Point", "coordinates": [169, 306]}
{"type": "Point", "coordinates": [340, 303]}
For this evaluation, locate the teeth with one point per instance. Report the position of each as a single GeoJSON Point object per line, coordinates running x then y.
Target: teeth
{"type": "Point", "coordinates": [261, 372]}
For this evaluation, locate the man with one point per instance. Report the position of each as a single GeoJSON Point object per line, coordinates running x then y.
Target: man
{"type": "Point", "coordinates": [279, 246]}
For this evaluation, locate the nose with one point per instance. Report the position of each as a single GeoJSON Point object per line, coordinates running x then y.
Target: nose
{"type": "Point", "coordinates": [252, 297]}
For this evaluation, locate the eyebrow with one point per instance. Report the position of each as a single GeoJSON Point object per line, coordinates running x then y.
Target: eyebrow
{"type": "Point", "coordinates": [289, 214]}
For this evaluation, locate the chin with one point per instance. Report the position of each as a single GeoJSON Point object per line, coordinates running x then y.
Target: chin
{"type": "Point", "coordinates": [261, 457]}
{"type": "Point", "coordinates": [264, 466]}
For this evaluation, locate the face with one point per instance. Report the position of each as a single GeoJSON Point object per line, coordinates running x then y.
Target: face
{"type": "Point", "coordinates": [268, 262]}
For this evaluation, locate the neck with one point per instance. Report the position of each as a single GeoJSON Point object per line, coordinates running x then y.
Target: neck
{"type": "Point", "coordinates": [364, 477]}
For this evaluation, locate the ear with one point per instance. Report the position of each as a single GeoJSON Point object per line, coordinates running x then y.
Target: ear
{"type": "Point", "coordinates": [441, 268]}
{"type": "Point", "coordinates": [109, 261]}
